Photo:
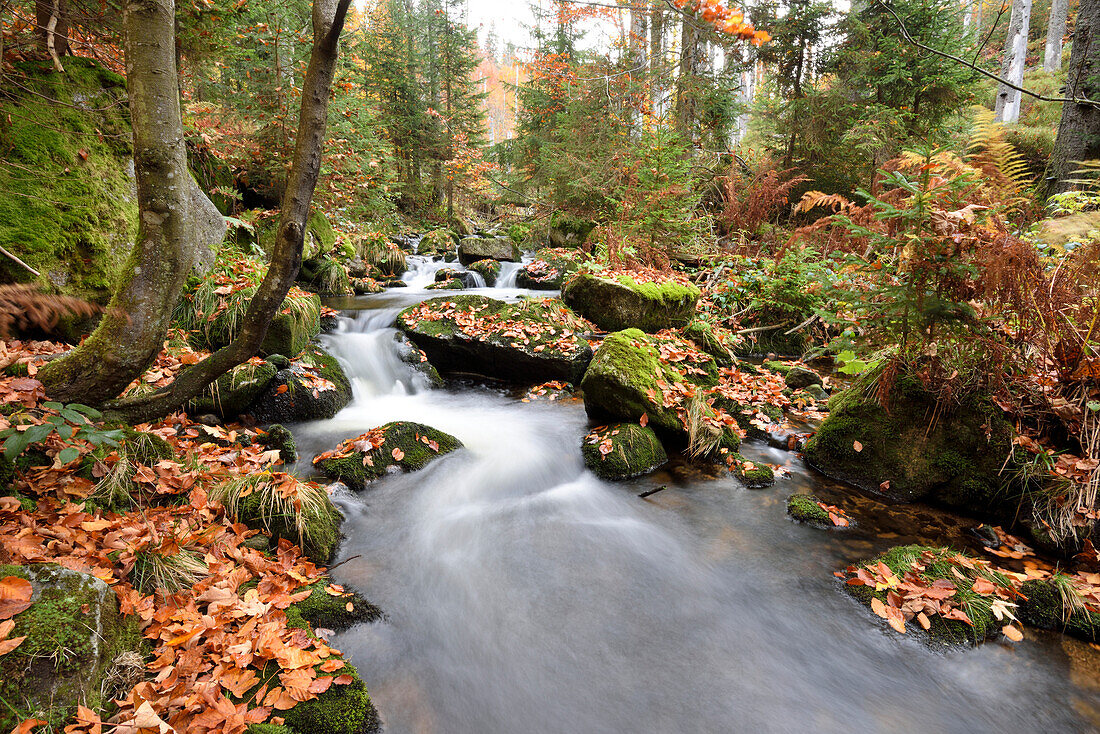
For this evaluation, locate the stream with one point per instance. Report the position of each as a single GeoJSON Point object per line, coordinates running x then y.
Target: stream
{"type": "Point", "coordinates": [525, 596]}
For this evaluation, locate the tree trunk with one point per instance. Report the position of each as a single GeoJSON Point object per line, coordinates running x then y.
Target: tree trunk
{"type": "Point", "coordinates": [1012, 66]}
{"type": "Point", "coordinates": [637, 61]}
{"type": "Point", "coordinates": [657, 58]}
{"type": "Point", "coordinates": [1079, 131]}
{"type": "Point", "coordinates": [1056, 29]}
{"type": "Point", "coordinates": [133, 329]}
{"type": "Point", "coordinates": [692, 59]}
{"type": "Point", "coordinates": [51, 18]}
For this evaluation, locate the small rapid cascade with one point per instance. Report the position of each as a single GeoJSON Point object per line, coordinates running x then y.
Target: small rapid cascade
{"type": "Point", "coordinates": [420, 270]}
{"type": "Point", "coordinates": [524, 595]}
{"type": "Point", "coordinates": [508, 273]}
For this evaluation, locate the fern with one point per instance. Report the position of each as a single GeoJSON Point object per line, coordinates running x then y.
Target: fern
{"type": "Point", "coordinates": [990, 151]}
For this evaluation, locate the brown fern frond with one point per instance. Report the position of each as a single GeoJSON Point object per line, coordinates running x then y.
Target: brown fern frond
{"type": "Point", "coordinates": [24, 307]}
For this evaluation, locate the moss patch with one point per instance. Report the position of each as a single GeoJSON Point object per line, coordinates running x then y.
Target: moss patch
{"type": "Point", "coordinates": [1049, 606]}
{"type": "Point", "coordinates": [344, 709]}
{"type": "Point", "coordinates": [232, 393]}
{"type": "Point", "coordinates": [304, 397]}
{"type": "Point", "coordinates": [330, 611]}
{"type": "Point", "coordinates": [623, 303]}
{"type": "Point", "coordinates": [403, 445]}
{"type": "Point", "coordinates": [622, 451]}
{"type": "Point", "coordinates": [805, 508]}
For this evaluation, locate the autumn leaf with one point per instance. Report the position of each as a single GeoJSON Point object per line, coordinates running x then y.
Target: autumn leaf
{"type": "Point", "coordinates": [857, 446]}
{"type": "Point", "coordinates": [923, 620]}
{"type": "Point", "coordinates": [397, 454]}
{"type": "Point", "coordinates": [28, 725]}
{"type": "Point", "coordinates": [644, 420]}
{"type": "Point", "coordinates": [15, 596]}
{"type": "Point", "coordinates": [1012, 633]}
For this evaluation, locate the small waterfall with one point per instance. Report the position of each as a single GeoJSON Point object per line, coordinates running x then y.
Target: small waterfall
{"type": "Point", "coordinates": [476, 277]}
{"type": "Point", "coordinates": [372, 354]}
{"type": "Point", "coordinates": [508, 273]}
{"type": "Point", "coordinates": [420, 272]}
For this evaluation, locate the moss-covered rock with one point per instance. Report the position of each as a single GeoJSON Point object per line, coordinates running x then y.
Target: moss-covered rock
{"type": "Point", "coordinates": [313, 387]}
{"type": "Point", "coordinates": [298, 320]}
{"type": "Point", "coordinates": [330, 610]}
{"type": "Point", "coordinates": [1049, 604]}
{"type": "Point", "coordinates": [279, 437]}
{"type": "Point", "coordinates": [320, 238]}
{"type": "Point", "coordinates": [938, 566]}
{"type": "Point", "coordinates": [324, 276]}
{"type": "Point", "coordinates": [806, 508]}
{"type": "Point", "coordinates": [366, 286]}
{"type": "Point", "coordinates": [548, 270]}
{"type": "Point", "coordinates": [799, 377]}
{"type": "Point", "coordinates": [451, 284]}
{"type": "Point", "coordinates": [625, 378]}
{"type": "Point", "coordinates": [234, 392]}
{"type": "Point", "coordinates": [953, 455]}
{"type": "Point", "coordinates": [415, 357]}
{"type": "Point", "coordinates": [566, 230]}
{"type": "Point", "coordinates": [436, 243]}
{"type": "Point", "coordinates": [342, 709]}
{"type": "Point", "coordinates": [709, 339]}
{"type": "Point", "coordinates": [75, 633]}
{"type": "Point", "coordinates": [400, 446]}
{"type": "Point", "coordinates": [472, 249]}
{"type": "Point", "coordinates": [622, 451]}
{"type": "Point", "coordinates": [314, 525]}
{"type": "Point", "coordinates": [487, 269]}
{"type": "Point", "coordinates": [753, 475]}
{"type": "Point", "coordinates": [528, 342]}
{"type": "Point", "coordinates": [622, 303]}
{"type": "Point", "coordinates": [70, 208]}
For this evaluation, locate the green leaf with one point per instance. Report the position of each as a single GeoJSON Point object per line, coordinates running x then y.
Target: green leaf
{"type": "Point", "coordinates": [66, 431]}
{"type": "Point", "coordinates": [73, 417]}
{"type": "Point", "coordinates": [86, 410]}
{"type": "Point", "coordinates": [1093, 405]}
{"type": "Point", "coordinates": [15, 444]}
{"type": "Point", "coordinates": [68, 455]}
{"type": "Point", "coordinates": [38, 433]}
{"type": "Point", "coordinates": [52, 406]}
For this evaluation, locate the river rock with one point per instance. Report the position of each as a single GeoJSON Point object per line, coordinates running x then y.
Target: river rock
{"type": "Point", "coordinates": [799, 377]}
{"type": "Point", "coordinates": [487, 269]}
{"type": "Point", "coordinates": [1041, 604]}
{"type": "Point", "coordinates": [234, 392]}
{"type": "Point", "coordinates": [622, 451]}
{"type": "Point", "coordinates": [436, 243]}
{"type": "Point", "coordinates": [918, 450]}
{"type": "Point", "coordinates": [710, 340]}
{"type": "Point", "coordinates": [472, 249]}
{"type": "Point", "coordinates": [627, 380]}
{"type": "Point", "coordinates": [805, 509]}
{"type": "Point", "coordinates": [622, 303]}
{"type": "Point", "coordinates": [397, 446]}
{"type": "Point", "coordinates": [527, 342]}
{"type": "Point", "coordinates": [75, 637]}
{"type": "Point", "coordinates": [415, 357]}
{"type": "Point", "coordinates": [313, 387]}
{"type": "Point", "coordinates": [547, 271]}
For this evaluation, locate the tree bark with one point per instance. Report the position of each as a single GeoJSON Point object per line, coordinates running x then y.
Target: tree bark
{"type": "Point", "coordinates": [51, 18]}
{"type": "Point", "coordinates": [1079, 131]}
{"type": "Point", "coordinates": [657, 58]}
{"type": "Point", "coordinates": [1056, 29]}
{"type": "Point", "coordinates": [1007, 108]}
{"type": "Point", "coordinates": [286, 259]}
{"type": "Point", "coordinates": [692, 59]}
{"type": "Point", "coordinates": [133, 329]}
{"type": "Point", "coordinates": [637, 60]}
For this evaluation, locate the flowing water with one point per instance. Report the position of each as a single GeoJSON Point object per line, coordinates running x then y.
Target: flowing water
{"type": "Point", "coordinates": [524, 596]}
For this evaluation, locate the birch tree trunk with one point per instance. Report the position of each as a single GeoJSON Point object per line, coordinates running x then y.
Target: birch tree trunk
{"type": "Point", "coordinates": [1079, 131]}
{"type": "Point", "coordinates": [1007, 108]}
{"type": "Point", "coordinates": [1056, 29]}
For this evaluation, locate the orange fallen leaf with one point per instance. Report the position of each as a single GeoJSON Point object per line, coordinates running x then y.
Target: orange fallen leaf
{"type": "Point", "coordinates": [923, 621]}
{"type": "Point", "coordinates": [857, 446]}
{"type": "Point", "coordinates": [397, 454]}
{"type": "Point", "coordinates": [1012, 633]}
{"type": "Point", "coordinates": [281, 389]}
{"type": "Point", "coordinates": [644, 420]}
{"type": "Point", "coordinates": [15, 596]}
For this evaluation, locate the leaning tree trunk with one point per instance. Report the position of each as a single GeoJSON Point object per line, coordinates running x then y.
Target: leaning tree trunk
{"type": "Point", "coordinates": [133, 329]}
{"type": "Point", "coordinates": [1056, 29]}
{"type": "Point", "coordinates": [1079, 131]}
{"type": "Point", "coordinates": [51, 19]}
{"type": "Point", "coordinates": [286, 258]}
{"type": "Point", "coordinates": [1007, 108]}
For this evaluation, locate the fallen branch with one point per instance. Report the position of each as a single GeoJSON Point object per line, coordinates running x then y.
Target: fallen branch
{"type": "Point", "coordinates": [13, 257]}
{"type": "Point", "coordinates": [801, 326]}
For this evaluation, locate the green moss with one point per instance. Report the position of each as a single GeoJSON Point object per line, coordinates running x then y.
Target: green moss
{"type": "Point", "coordinates": [320, 536]}
{"type": "Point", "coordinates": [758, 477]}
{"type": "Point", "coordinates": [410, 441]}
{"type": "Point", "coordinates": [669, 293]}
{"type": "Point", "coordinates": [436, 243]}
{"type": "Point", "coordinates": [298, 401]}
{"type": "Point", "coordinates": [805, 508]}
{"type": "Point", "coordinates": [705, 337]}
{"type": "Point", "coordinates": [342, 709]}
{"type": "Point", "coordinates": [278, 436]}
{"type": "Point", "coordinates": [231, 394]}
{"type": "Point", "coordinates": [634, 451]}
{"type": "Point", "coordinates": [778, 367]}
{"type": "Point", "coordinates": [268, 729]}
{"type": "Point", "coordinates": [1048, 605]}
{"type": "Point", "coordinates": [488, 269]}
{"type": "Point", "coordinates": [327, 611]}
{"type": "Point", "coordinates": [324, 276]}
{"type": "Point", "coordinates": [70, 209]}
{"type": "Point", "coordinates": [622, 303]}
{"type": "Point", "coordinates": [454, 284]}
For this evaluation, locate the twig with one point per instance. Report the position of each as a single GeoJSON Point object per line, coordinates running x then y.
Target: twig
{"type": "Point", "coordinates": [758, 328]}
{"type": "Point", "coordinates": [13, 257]}
{"type": "Point", "coordinates": [801, 326]}
{"type": "Point", "coordinates": [341, 563]}
{"type": "Point", "coordinates": [643, 495]}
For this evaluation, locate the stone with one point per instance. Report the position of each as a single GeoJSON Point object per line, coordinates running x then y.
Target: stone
{"type": "Point", "coordinates": [472, 249]}
{"type": "Point", "coordinates": [396, 446]}
{"type": "Point", "coordinates": [295, 393]}
{"type": "Point", "coordinates": [623, 451]}
{"type": "Point", "coordinates": [234, 392]}
{"type": "Point", "coordinates": [622, 303]}
{"type": "Point", "coordinates": [799, 377]}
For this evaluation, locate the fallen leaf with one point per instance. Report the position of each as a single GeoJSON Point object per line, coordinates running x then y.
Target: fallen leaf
{"type": "Point", "coordinates": [857, 446]}
{"type": "Point", "coordinates": [1012, 633]}
{"type": "Point", "coordinates": [15, 596]}
{"type": "Point", "coordinates": [397, 454]}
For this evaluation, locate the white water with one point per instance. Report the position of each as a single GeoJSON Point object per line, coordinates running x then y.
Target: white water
{"type": "Point", "coordinates": [421, 272]}
{"type": "Point", "coordinates": [526, 597]}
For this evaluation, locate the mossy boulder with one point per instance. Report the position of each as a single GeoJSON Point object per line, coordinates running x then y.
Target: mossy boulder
{"type": "Point", "coordinates": [627, 379]}
{"type": "Point", "coordinates": [320, 238]}
{"type": "Point", "coordinates": [326, 610]}
{"type": "Point", "coordinates": [487, 269]}
{"type": "Point", "coordinates": [366, 286]}
{"type": "Point", "coordinates": [415, 357]}
{"type": "Point", "coordinates": [324, 276]}
{"type": "Point", "coordinates": [528, 342]}
{"type": "Point", "coordinates": [70, 207]}
{"type": "Point", "coordinates": [234, 392]}
{"type": "Point", "coordinates": [451, 284]}
{"type": "Point", "coordinates": [799, 377]}
{"type": "Point", "coordinates": [278, 437]}
{"type": "Point", "coordinates": [805, 509]}
{"type": "Point", "coordinates": [75, 635]}
{"type": "Point", "coordinates": [397, 446]}
{"type": "Point", "coordinates": [298, 321]}
{"type": "Point", "coordinates": [547, 271]}
{"type": "Point", "coordinates": [313, 387]}
{"type": "Point", "coordinates": [320, 534]}
{"type": "Point", "coordinates": [472, 249]}
{"type": "Point", "coordinates": [953, 455]}
{"type": "Point", "coordinates": [622, 451]}
{"type": "Point", "coordinates": [436, 243]}
{"type": "Point", "coordinates": [621, 303]}
{"type": "Point", "coordinates": [710, 340]}
{"type": "Point", "coordinates": [1045, 606]}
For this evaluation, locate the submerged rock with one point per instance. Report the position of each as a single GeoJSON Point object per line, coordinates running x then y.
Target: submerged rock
{"type": "Point", "coordinates": [622, 451]}
{"type": "Point", "coordinates": [313, 387]}
{"type": "Point", "coordinates": [917, 450]}
{"type": "Point", "coordinates": [623, 303]}
{"type": "Point", "coordinates": [401, 445]}
{"type": "Point", "coordinates": [75, 635]}
{"type": "Point", "coordinates": [527, 342]}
